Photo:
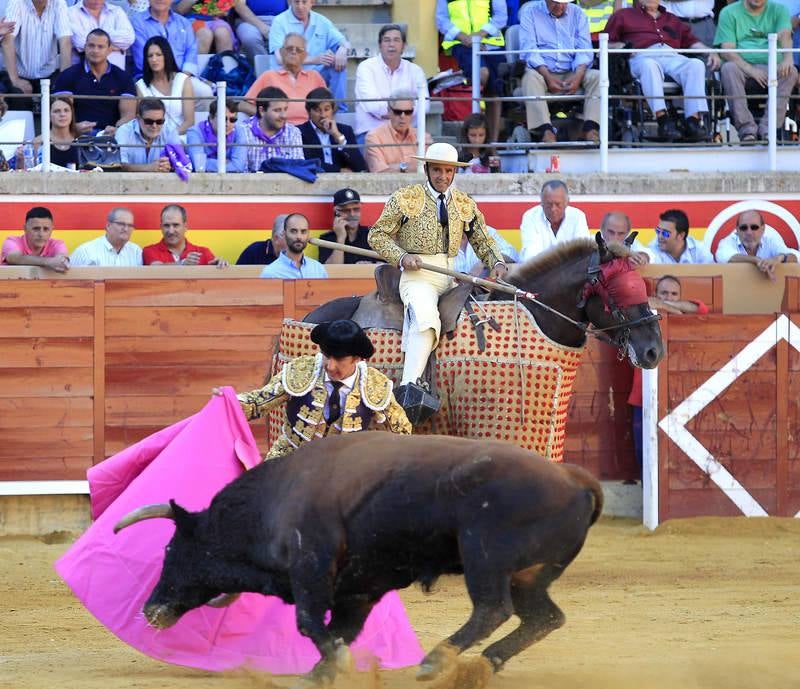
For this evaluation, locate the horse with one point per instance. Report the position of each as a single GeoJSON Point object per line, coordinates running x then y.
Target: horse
{"type": "Point", "coordinates": [516, 386]}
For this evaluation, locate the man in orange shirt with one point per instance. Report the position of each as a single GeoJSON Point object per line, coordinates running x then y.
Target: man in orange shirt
{"type": "Point", "coordinates": [382, 152]}
{"type": "Point", "coordinates": [292, 79]}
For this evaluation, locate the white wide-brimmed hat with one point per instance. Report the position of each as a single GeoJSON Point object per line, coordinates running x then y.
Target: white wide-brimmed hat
{"type": "Point", "coordinates": [442, 153]}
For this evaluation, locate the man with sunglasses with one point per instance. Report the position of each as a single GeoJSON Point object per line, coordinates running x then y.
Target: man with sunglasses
{"type": "Point", "coordinates": [202, 141]}
{"type": "Point", "coordinates": [142, 140]}
{"type": "Point", "coordinates": [752, 242]}
{"type": "Point", "coordinates": [391, 146]}
{"type": "Point", "coordinates": [673, 243]}
{"type": "Point", "coordinates": [347, 229]}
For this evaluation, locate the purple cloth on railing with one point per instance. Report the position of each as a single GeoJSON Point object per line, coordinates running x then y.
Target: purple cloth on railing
{"type": "Point", "coordinates": [179, 160]}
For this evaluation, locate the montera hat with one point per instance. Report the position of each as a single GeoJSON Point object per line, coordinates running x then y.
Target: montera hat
{"type": "Point", "coordinates": [345, 196]}
{"type": "Point", "coordinates": [442, 153]}
{"type": "Point", "coordinates": [342, 338]}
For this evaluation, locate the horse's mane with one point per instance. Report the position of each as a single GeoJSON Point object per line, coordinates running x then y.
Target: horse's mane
{"type": "Point", "coordinates": [560, 254]}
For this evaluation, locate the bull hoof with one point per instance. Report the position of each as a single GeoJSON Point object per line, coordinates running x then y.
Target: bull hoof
{"type": "Point", "coordinates": [441, 660]}
{"type": "Point", "coordinates": [326, 670]}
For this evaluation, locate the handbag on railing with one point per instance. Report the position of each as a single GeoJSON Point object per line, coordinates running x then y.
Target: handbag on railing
{"type": "Point", "coordinates": [98, 151]}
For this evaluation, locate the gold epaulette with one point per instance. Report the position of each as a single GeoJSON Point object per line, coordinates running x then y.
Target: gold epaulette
{"type": "Point", "coordinates": [411, 200]}
{"type": "Point", "coordinates": [464, 204]}
{"type": "Point", "coordinates": [300, 375]}
{"type": "Point", "coordinates": [376, 389]}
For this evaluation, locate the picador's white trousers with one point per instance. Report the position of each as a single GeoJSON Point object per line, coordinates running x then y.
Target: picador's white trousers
{"type": "Point", "coordinates": [420, 291]}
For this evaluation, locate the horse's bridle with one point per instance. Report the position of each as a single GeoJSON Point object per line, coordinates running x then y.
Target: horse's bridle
{"type": "Point", "coordinates": [594, 275]}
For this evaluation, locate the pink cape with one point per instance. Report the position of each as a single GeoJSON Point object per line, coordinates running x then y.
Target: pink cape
{"type": "Point", "coordinates": [113, 575]}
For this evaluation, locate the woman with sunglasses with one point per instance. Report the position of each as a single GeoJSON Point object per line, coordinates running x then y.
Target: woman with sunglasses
{"type": "Point", "coordinates": [202, 141]}
{"type": "Point", "coordinates": [162, 79]}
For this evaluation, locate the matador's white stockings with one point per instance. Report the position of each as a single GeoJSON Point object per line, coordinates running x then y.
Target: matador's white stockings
{"type": "Point", "coordinates": [419, 346]}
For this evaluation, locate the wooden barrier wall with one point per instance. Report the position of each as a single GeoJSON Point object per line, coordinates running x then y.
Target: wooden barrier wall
{"type": "Point", "coordinates": [90, 366]}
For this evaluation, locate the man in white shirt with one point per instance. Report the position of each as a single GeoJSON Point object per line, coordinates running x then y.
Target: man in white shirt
{"type": "Point", "coordinates": [698, 14]}
{"type": "Point", "coordinates": [615, 227]}
{"type": "Point", "coordinates": [673, 243]}
{"type": "Point", "coordinates": [467, 260]}
{"type": "Point", "coordinates": [750, 242]}
{"type": "Point", "coordinates": [114, 249]}
{"type": "Point", "coordinates": [382, 75]}
{"type": "Point", "coordinates": [551, 222]}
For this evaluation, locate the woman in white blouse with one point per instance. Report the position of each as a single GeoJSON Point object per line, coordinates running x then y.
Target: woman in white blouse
{"type": "Point", "coordinates": [161, 78]}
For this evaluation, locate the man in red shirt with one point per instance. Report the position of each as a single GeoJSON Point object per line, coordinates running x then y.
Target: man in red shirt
{"type": "Point", "coordinates": [658, 34]}
{"type": "Point", "coordinates": [174, 248]}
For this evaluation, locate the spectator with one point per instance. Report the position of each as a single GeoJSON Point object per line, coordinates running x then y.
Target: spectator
{"type": "Point", "coordinates": [161, 20]}
{"type": "Point", "coordinates": [551, 222]}
{"type": "Point", "coordinates": [291, 263]}
{"type": "Point", "coordinates": [142, 140]}
{"type": "Point", "coordinates": [347, 229]}
{"type": "Point", "coordinates": [382, 75]}
{"type": "Point", "coordinates": [265, 252]}
{"type": "Point", "coordinates": [598, 12]}
{"type": "Point", "coordinates": [209, 29]}
{"type": "Point", "coordinates": [667, 298]}
{"type": "Point", "coordinates": [326, 45]}
{"type": "Point", "coordinates": [467, 260]}
{"type": "Point", "coordinates": [86, 15]}
{"type": "Point", "coordinates": [615, 227]}
{"type": "Point", "coordinates": [473, 149]}
{"type": "Point", "coordinates": [750, 243]}
{"type": "Point", "coordinates": [41, 45]}
{"type": "Point", "coordinates": [96, 76]}
{"type": "Point", "coordinates": [794, 12]}
{"type": "Point", "coordinates": [747, 24]}
{"type": "Point", "coordinates": [268, 134]}
{"type": "Point", "coordinates": [36, 247]}
{"type": "Point", "coordinates": [291, 78]}
{"type": "Point", "coordinates": [174, 248]}
{"type": "Point", "coordinates": [115, 248]}
{"type": "Point", "coordinates": [202, 140]}
{"type": "Point", "coordinates": [252, 26]}
{"type": "Point", "coordinates": [550, 25]}
{"type": "Point", "coordinates": [161, 78]}
{"type": "Point", "coordinates": [391, 146]}
{"type": "Point", "coordinates": [322, 129]}
{"type": "Point", "coordinates": [647, 29]}
{"type": "Point", "coordinates": [698, 14]}
{"type": "Point", "coordinates": [62, 136]}
{"type": "Point", "coordinates": [458, 22]}
{"type": "Point", "coordinates": [673, 243]}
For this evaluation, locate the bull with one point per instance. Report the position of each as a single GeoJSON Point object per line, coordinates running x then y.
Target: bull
{"type": "Point", "coordinates": [343, 520]}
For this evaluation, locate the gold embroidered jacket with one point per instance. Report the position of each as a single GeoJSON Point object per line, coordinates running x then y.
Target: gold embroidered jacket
{"type": "Point", "coordinates": [409, 223]}
{"type": "Point", "coordinates": [301, 387]}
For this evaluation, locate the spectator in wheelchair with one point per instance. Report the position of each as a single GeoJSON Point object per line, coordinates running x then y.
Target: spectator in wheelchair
{"type": "Point", "coordinates": [550, 25]}
{"type": "Point", "coordinates": [658, 35]}
{"type": "Point", "coordinates": [747, 24]}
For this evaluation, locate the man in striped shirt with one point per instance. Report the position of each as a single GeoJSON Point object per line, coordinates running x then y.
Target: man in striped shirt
{"type": "Point", "coordinates": [268, 134]}
{"type": "Point", "coordinates": [40, 44]}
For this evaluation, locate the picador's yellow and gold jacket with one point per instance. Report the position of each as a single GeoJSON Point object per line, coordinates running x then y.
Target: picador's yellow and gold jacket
{"type": "Point", "coordinates": [409, 223]}
{"type": "Point", "coordinates": [301, 387]}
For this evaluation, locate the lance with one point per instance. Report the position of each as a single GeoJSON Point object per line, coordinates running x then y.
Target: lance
{"type": "Point", "coordinates": [462, 277]}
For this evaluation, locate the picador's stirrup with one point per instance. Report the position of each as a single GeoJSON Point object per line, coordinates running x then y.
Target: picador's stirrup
{"type": "Point", "coordinates": [417, 402]}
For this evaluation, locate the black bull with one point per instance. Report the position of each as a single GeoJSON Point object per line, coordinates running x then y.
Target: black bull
{"type": "Point", "coordinates": [343, 520]}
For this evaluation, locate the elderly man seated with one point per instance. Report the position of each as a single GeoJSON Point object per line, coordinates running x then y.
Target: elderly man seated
{"type": "Point", "coordinates": [550, 25]}
{"type": "Point", "coordinates": [752, 242]}
{"type": "Point", "coordinates": [659, 35]}
{"type": "Point", "coordinates": [391, 146]}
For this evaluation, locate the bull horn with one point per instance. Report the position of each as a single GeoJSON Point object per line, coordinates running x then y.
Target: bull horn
{"type": "Point", "coordinates": [146, 512]}
{"type": "Point", "coordinates": [222, 600]}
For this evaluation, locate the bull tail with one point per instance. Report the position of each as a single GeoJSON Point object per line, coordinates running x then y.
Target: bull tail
{"type": "Point", "coordinates": [591, 487]}
{"type": "Point", "coordinates": [596, 491]}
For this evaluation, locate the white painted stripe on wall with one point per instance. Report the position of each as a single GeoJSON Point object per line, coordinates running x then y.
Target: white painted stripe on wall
{"type": "Point", "coordinates": [44, 487]}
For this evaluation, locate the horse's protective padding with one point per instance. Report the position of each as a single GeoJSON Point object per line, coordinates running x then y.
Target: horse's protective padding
{"type": "Point", "coordinates": [517, 390]}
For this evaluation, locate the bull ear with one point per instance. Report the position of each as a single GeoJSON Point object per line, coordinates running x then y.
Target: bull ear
{"type": "Point", "coordinates": [185, 521]}
{"type": "Point", "coordinates": [631, 238]}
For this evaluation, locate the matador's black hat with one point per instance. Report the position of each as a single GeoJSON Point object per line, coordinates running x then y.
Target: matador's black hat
{"type": "Point", "coordinates": [342, 338]}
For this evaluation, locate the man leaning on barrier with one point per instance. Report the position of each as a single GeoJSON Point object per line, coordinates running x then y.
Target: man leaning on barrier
{"type": "Point", "coordinates": [558, 24]}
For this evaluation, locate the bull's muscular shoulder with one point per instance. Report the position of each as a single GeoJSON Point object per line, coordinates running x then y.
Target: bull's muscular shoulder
{"type": "Point", "coordinates": [377, 390]}
{"type": "Point", "coordinates": [411, 200]}
{"type": "Point", "coordinates": [464, 203]}
{"type": "Point", "coordinates": [300, 375]}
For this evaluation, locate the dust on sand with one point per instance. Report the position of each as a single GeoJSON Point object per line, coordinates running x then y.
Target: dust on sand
{"type": "Point", "coordinates": [699, 604]}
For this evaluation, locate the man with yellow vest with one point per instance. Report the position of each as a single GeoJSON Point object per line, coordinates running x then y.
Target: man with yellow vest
{"type": "Point", "coordinates": [458, 21]}
{"type": "Point", "coordinates": [598, 13]}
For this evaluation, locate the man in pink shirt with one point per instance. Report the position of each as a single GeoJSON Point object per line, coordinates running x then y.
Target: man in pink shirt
{"type": "Point", "coordinates": [391, 146]}
{"type": "Point", "coordinates": [35, 247]}
{"type": "Point", "coordinates": [292, 79]}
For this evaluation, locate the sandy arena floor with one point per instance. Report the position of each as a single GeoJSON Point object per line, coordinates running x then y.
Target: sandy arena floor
{"type": "Point", "coordinates": [699, 604]}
